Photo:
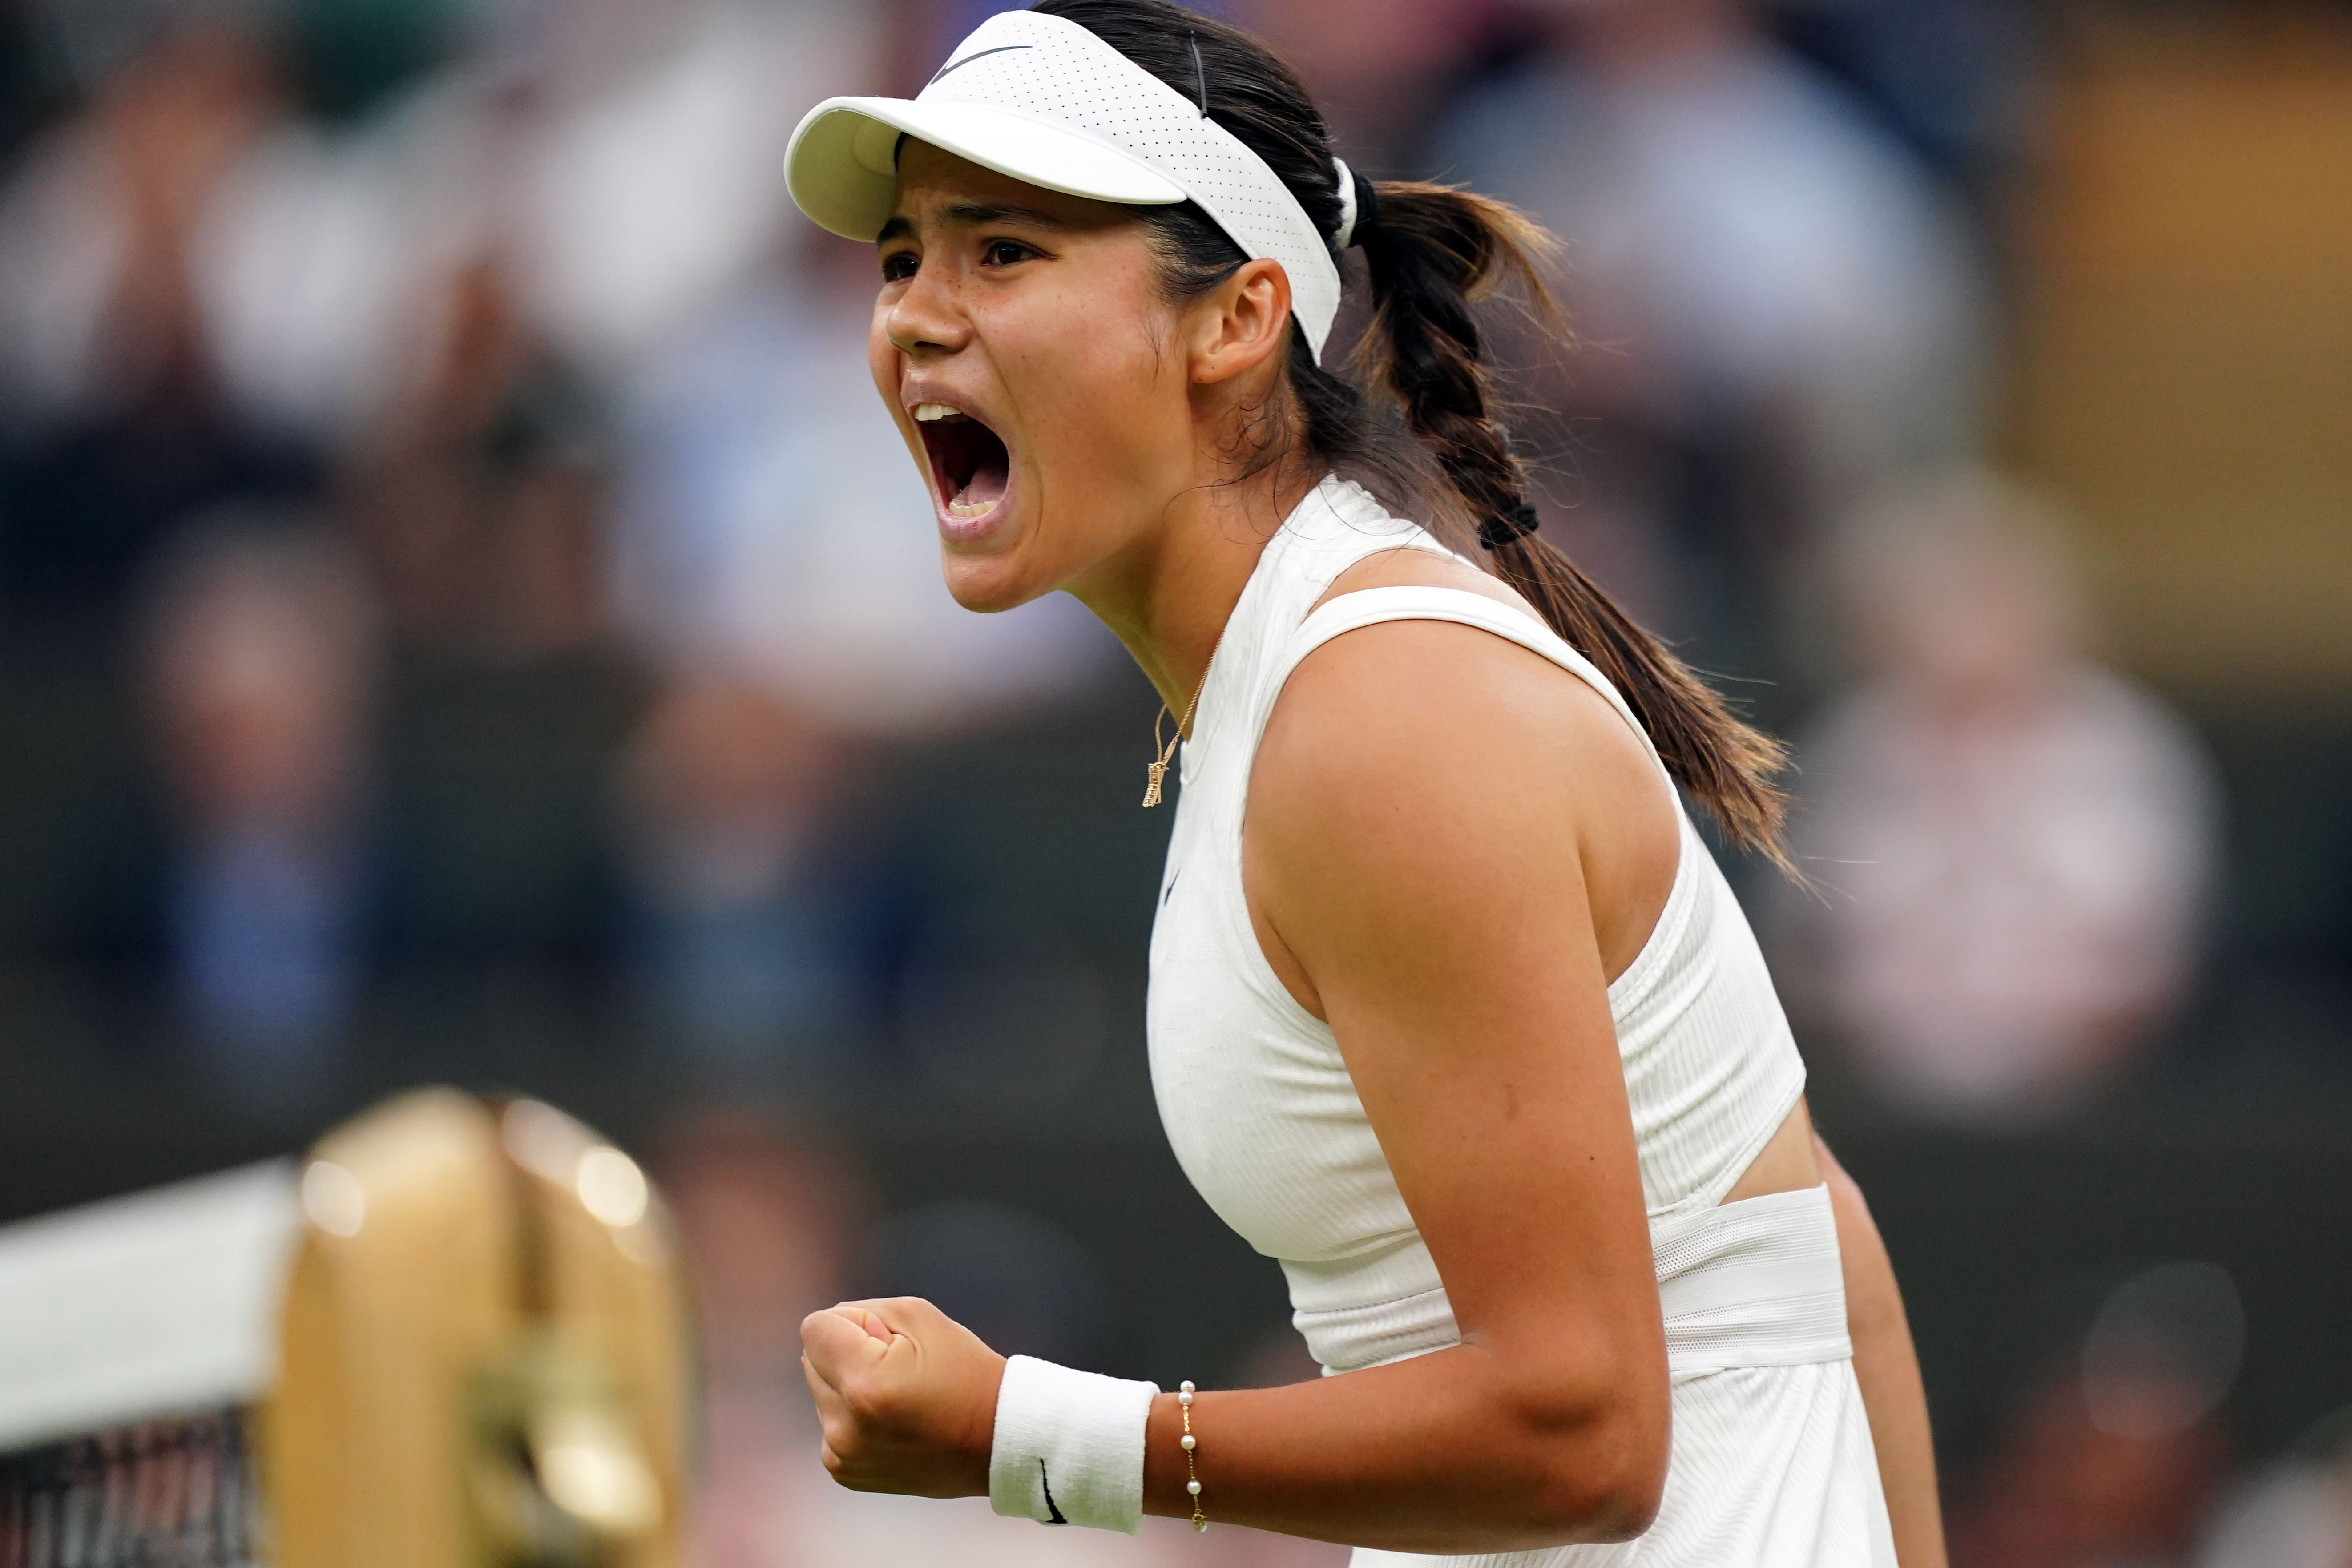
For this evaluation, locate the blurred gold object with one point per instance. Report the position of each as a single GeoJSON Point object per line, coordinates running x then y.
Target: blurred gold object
{"type": "Point", "coordinates": [558, 1474]}
{"type": "Point", "coordinates": [486, 1355]}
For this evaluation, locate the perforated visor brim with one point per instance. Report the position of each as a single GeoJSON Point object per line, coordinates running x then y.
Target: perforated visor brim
{"type": "Point", "coordinates": [842, 166]}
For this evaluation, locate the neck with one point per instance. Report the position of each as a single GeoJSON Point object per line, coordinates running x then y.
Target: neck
{"type": "Point", "coordinates": [1168, 596]}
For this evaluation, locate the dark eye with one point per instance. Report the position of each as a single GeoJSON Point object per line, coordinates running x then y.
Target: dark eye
{"type": "Point", "coordinates": [1006, 252]}
{"type": "Point", "coordinates": [898, 265]}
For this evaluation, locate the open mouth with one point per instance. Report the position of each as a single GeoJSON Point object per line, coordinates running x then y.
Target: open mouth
{"type": "Point", "coordinates": [968, 462]}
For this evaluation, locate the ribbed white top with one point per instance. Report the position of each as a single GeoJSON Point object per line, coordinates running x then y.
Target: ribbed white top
{"type": "Point", "coordinates": [1254, 1092]}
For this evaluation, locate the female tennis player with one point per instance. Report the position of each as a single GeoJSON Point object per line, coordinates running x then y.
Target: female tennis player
{"type": "Point", "coordinates": [1451, 1010]}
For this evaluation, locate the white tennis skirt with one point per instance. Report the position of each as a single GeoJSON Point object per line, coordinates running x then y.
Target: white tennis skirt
{"type": "Point", "coordinates": [1772, 1464]}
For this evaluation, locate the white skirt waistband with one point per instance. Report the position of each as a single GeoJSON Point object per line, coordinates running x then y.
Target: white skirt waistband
{"type": "Point", "coordinates": [1755, 1283]}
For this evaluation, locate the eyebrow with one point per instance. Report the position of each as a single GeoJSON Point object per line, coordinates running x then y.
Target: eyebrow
{"type": "Point", "coordinates": [978, 213]}
{"type": "Point", "coordinates": [975, 215]}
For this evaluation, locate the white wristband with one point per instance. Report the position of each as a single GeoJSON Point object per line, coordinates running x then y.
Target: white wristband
{"type": "Point", "coordinates": [1069, 1447]}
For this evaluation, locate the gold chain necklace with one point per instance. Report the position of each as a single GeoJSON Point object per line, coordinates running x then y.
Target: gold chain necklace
{"type": "Point", "coordinates": [1156, 772]}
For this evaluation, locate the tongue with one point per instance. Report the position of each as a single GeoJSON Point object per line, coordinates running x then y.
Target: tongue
{"type": "Point", "coordinates": [984, 488]}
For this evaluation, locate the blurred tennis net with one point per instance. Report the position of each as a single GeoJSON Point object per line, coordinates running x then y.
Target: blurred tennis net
{"type": "Point", "coordinates": [174, 1493]}
{"type": "Point", "coordinates": [454, 1335]}
{"type": "Point", "coordinates": [137, 1338]}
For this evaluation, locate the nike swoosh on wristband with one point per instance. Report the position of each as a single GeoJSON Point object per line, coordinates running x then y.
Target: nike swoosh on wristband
{"type": "Point", "coordinates": [1050, 1506]}
{"type": "Point", "coordinates": [959, 65]}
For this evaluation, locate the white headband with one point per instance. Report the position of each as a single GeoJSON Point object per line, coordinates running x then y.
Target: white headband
{"type": "Point", "coordinates": [1044, 100]}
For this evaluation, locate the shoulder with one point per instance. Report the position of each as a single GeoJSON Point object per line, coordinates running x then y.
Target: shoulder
{"type": "Point", "coordinates": [1476, 742]}
{"type": "Point", "coordinates": [1410, 696]}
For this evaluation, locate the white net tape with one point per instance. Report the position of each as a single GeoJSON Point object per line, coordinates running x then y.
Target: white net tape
{"type": "Point", "coordinates": [139, 1333]}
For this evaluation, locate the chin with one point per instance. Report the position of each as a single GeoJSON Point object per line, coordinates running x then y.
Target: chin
{"type": "Point", "coordinates": [988, 584]}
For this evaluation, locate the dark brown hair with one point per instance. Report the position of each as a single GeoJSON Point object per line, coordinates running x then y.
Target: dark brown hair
{"type": "Point", "coordinates": [1434, 251]}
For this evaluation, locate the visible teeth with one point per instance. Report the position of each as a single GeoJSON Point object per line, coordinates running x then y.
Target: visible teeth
{"type": "Point", "coordinates": [928, 412]}
{"type": "Point", "coordinates": [962, 507]}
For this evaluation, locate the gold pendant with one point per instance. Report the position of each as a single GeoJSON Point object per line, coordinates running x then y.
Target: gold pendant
{"type": "Point", "coordinates": [1158, 771]}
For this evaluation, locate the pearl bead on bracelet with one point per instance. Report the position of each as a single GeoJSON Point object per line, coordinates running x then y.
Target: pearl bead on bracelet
{"type": "Point", "coordinates": [1188, 1443]}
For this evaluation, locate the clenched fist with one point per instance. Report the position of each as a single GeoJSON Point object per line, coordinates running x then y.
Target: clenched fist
{"type": "Point", "coordinates": [907, 1396]}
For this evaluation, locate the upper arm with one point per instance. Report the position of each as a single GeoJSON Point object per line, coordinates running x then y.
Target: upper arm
{"type": "Point", "coordinates": [1422, 811]}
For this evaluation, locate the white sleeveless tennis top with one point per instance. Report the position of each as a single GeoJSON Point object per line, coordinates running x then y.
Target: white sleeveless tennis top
{"type": "Point", "coordinates": [1772, 1462]}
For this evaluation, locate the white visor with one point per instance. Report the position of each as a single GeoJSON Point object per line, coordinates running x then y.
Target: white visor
{"type": "Point", "coordinates": [1045, 101]}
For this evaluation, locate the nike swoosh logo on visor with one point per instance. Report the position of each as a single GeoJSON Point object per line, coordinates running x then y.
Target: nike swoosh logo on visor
{"type": "Point", "coordinates": [983, 54]}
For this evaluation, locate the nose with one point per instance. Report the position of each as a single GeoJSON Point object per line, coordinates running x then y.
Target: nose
{"type": "Point", "coordinates": [927, 318]}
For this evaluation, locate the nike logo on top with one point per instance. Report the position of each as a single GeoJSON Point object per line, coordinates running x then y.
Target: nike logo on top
{"type": "Point", "coordinates": [981, 54]}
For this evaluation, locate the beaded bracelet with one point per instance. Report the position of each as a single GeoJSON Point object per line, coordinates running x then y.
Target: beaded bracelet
{"type": "Point", "coordinates": [1191, 1476]}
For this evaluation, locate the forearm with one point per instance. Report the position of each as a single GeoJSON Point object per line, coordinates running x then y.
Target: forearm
{"type": "Point", "coordinates": [1444, 1453]}
{"type": "Point", "coordinates": [1887, 1367]}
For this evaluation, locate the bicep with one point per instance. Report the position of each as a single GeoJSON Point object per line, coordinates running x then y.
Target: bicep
{"type": "Point", "coordinates": [1412, 843]}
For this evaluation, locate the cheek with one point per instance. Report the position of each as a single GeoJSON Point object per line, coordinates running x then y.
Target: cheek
{"type": "Point", "coordinates": [882, 364]}
{"type": "Point", "coordinates": [1086, 374]}
{"type": "Point", "coordinates": [881, 359]}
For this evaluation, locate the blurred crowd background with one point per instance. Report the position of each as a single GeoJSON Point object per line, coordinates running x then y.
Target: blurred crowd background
{"type": "Point", "coordinates": [463, 616]}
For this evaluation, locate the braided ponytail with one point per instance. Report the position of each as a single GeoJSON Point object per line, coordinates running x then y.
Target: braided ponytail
{"type": "Point", "coordinates": [1432, 252]}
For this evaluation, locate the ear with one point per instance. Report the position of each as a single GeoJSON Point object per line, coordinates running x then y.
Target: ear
{"type": "Point", "coordinates": [1241, 325]}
